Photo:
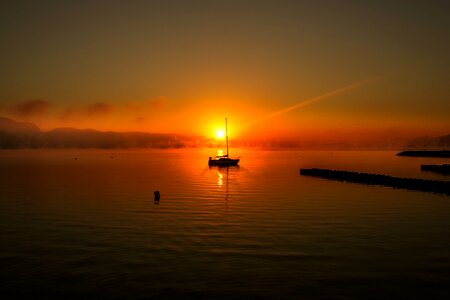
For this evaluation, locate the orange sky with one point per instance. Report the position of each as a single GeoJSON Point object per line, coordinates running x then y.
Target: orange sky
{"type": "Point", "coordinates": [376, 68]}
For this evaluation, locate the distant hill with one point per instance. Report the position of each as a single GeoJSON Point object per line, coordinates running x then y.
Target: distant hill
{"type": "Point", "coordinates": [428, 142]}
{"type": "Point", "coordinates": [89, 138]}
{"type": "Point", "coordinates": [19, 134]}
{"type": "Point", "coordinates": [14, 135]}
{"type": "Point", "coordinates": [8, 125]}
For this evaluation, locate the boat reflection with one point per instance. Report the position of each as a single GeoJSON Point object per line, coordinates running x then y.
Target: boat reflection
{"type": "Point", "coordinates": [220, 178]}
{"type": "Point", "coordinates": [225, 168]}
{"type": "Point", "coordinates": [221, 171]}
{"type": "Point", "coordinates": [224, 171]}
{"type": "Point", "coordinates": [223, 174]}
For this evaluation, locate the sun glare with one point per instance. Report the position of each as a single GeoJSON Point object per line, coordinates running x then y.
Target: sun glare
{"type": "Point", "coordinates": [220, 134]}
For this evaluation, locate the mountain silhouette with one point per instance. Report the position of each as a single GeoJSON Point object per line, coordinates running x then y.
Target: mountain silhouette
{"type": "Point", "coordinates": [9, 125]}
{"type": "Point", "coordinates": [15, 135]}
{"type": "Point", "coordinates": [428, 142]}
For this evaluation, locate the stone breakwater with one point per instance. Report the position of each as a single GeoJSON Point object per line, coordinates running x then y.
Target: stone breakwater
{"type": "Point", "coordinates": [425, 185]}
{"type": "Point", "coordinates": [441, 169]}
{"type": "Point", "coordinates": [437, 153]}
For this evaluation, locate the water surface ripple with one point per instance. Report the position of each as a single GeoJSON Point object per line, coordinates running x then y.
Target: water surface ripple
{"type": "Point", "coordinates": [89, 227]}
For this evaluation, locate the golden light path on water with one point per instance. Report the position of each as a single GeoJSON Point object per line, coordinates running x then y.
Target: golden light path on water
{"type": "Point", "coordinates": [316, 99]}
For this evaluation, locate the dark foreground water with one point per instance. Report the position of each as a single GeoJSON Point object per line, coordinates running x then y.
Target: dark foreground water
{"type": "Point", "coordinates": [89, 228]}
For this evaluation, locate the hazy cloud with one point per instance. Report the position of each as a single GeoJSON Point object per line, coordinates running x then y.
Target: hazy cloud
{"type": "Point", "coordinates": [141, 120]}
{"type": "Point", "coordinates": [157, 103]}
{"type": "Point", "coordinates": [29, 108]}
{"type": "Point", "coordinates": [152, 104]}
{"type": "Point", "coordinates": [99, 108]}
{"type": "Point", "coordinates": [91, 110]}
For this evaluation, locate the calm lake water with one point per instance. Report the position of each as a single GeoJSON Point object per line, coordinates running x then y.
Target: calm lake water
{"type": "Point", "coordinates": [89, 227]}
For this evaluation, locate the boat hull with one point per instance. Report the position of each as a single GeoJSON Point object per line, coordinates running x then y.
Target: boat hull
{"type": "Point", "coordinates": [224, 162]}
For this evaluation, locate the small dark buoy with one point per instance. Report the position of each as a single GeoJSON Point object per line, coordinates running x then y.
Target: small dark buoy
{"type": "Point", "coordinates": [112, 157]}
{"type": "Point", "coordinates": [157, 195]}
{"type": "Point", "coordinates": [75, 158]}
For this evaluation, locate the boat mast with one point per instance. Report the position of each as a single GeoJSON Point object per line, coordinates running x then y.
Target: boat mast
{"type": "Point", "coordinates": [226, 132]}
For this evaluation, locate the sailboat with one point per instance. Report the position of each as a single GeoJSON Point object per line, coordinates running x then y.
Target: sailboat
{"type": "Point", "coordinates": [224, 160]}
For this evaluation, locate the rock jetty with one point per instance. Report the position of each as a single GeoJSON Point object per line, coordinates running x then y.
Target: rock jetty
{"type": "Point", "coordinates": [437, 153]}
{"type": "Point", "coordinates": [441, 169]}
{"type": "Point", "coordinates": [436, 186]}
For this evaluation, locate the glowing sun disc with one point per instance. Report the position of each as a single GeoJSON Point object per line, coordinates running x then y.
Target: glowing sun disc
{"type": "Point", "coordinates": [220, 134]}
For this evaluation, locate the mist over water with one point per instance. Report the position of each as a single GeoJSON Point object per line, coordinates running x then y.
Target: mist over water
{"type": "Point", "coordinates": [83, 223]}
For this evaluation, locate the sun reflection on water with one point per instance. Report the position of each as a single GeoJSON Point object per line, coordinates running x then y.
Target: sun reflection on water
{"type": "Point", "coordinates": [219, 178]}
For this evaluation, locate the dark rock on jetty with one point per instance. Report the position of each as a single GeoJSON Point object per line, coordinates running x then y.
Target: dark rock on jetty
{"type": "Point", "coordinates": [441, 169]}
{"type": "Point", "coordinates": [436, 186]}
{"type": "Point", "coordinates": [440, 153]}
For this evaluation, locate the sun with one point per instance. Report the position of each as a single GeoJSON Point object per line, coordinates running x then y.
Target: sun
{"type": "Point", "coordinates": [220, 134]}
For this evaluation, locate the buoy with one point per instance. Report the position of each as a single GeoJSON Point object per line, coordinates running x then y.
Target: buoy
{"type": "Point", "coordinates": [157, 195]}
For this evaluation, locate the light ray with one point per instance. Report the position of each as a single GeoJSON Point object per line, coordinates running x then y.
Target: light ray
{"type": "Point", "coordinates": [315, 99]}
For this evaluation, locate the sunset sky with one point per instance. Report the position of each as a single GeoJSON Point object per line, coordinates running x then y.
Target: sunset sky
{"type": "Point", "coordinates": [363, 69]}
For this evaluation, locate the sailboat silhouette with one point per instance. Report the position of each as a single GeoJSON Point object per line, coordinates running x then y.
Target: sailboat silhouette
{"type": "Point", "coordinates": [224, 160]}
